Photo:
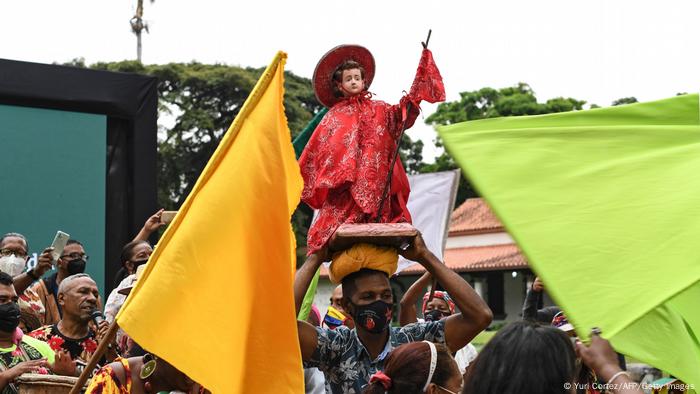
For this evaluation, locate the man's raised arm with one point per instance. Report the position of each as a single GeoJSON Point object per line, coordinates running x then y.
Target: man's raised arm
{"type": "Point", "coordinates": [308, 338]}
{"type": "Point", "coordinates": [475, 314]}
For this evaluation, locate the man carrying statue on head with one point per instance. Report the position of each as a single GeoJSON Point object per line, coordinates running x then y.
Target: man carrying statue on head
{"type": "Point", "coordinates": [351, 176]}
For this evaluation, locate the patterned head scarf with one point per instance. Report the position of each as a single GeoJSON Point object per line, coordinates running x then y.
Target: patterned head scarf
{"type": "Point", "coordinates": [441, 295]}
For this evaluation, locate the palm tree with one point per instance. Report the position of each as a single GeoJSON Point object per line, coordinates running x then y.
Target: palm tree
{"type": "Point", "coordinates": [138, 25]}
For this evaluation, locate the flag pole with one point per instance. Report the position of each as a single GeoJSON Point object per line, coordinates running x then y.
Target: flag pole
{"type": "Point", "coordinates": [387, 185]}
{"type": "Point", "coordinates": [101, 349]}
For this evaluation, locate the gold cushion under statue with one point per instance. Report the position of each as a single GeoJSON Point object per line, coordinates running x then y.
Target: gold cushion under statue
{"type": "Point", "coordinates": [363, 255]}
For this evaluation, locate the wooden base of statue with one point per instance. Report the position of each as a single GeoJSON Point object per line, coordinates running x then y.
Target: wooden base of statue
{"type": "Point", "coordinates": [30, 383]}
{"type": "Point", "coordinates": [397, 235]}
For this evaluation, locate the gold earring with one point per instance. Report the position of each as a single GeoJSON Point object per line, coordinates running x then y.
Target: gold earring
{"type": "Point", "coordinates": [148, 368]}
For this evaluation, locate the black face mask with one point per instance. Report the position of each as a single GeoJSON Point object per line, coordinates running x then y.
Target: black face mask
{"type": "Point", "coordinates": [374, 317]}
{"type": "Point", "coordinates": [9, 317]}
{"type": "Point", "coordinates": [434, 315]}
{"type": "Point", "coordinates": [138, 263]}
{"type": "Point", "coordinates": [76, 266]}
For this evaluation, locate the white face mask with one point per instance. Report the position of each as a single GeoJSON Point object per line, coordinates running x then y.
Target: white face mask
{"type": "Point", "coordinates": [12, 265]}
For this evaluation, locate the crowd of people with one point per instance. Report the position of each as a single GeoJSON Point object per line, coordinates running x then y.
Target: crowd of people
{"type": "Point", "coordinates": [47, 326]}
{"type": "Point", "coordinates": [52, 319]}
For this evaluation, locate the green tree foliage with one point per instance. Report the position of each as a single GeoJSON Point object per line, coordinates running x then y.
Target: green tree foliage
{"type": "Point", "coordinates": [411, 153]}
{"type": "Point", "coordinates": [625, 100]}
{"type": "Point", "coordinates": [490, 103]}
{"type": "Point", "coordinates": [197, 103]}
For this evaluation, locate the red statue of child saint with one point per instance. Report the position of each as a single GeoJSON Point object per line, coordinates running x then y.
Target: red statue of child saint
{"type": "Point", "coordinates": [346, 162]}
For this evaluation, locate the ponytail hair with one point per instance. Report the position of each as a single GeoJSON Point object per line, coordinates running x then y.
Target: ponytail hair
{"type": "Point", "coordinates": [407, 368]}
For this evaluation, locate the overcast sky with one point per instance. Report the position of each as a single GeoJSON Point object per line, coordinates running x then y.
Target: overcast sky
{"type": "Point", "coordinates": [591, 50]}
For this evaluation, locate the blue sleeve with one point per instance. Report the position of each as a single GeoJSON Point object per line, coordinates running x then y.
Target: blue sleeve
{"type": "Point", "coordinates": [425, 331]}
{"type": "Point", "coordinates": [329, 349]}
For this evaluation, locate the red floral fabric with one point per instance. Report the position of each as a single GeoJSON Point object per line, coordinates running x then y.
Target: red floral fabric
{"type": "Point", "coordinates": [79, 349]}
{"type": "Point", "coordinates": [347, 159]}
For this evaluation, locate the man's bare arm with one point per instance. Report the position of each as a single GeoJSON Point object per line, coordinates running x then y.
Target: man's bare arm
{"type": "Point", "coordinates": [475, 314]}
{"type": "Point", "coordinates": [308, 338]}
{"type": "Point", "coordinates": [408, 313]}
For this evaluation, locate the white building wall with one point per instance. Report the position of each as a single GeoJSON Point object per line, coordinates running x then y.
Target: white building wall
{"type": "Point", "coordinates": [464, 241]}
{"type": "Point", "coordinates": [323, 295]}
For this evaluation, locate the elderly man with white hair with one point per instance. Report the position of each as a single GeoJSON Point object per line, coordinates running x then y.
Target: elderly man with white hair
{"type": "Point", "coordinates": [75, 335]}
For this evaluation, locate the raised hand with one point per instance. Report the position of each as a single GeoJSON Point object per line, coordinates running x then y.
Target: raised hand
{"type": "Point", "coordinates": [154, 222]}
{"type": "Point", "coordinates": [44, 262]}
{"type": "Point", "coordinates": [416, 251]}
{"type": "Point", "coordinates": [537, 285]}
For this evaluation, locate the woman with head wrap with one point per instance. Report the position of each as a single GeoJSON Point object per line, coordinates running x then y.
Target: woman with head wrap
{"type": "Point", "coordinates": [437, 308]}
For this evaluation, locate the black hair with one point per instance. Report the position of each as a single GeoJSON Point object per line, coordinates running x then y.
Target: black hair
{"type": "Point", "coordinates": [523, 358]}
{"type": "Point", "coordinates": [16, 235]}
{"type": "Point", "coordinates": [408, 367]}
{"type": "Point", "coordinates": [6, 279]}
{"type": "Point", "coordinates": [135, 350]}
{"type": "Point", "coordinates": [126, 255]}
{"type": "Point", "coordinates": [128, 250]}
{"type": "Point", "coordinates": [73, 242]}
{"type": "Point", "coordinates": [349, 281]}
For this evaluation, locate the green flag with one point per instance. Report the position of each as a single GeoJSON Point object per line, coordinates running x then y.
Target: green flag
{"type": "Point", "coordinates": [605, 204]}
{"type": "Point", "coordinates": [302, 139]}
{"type": "Point", "coordinates": [299, 144]}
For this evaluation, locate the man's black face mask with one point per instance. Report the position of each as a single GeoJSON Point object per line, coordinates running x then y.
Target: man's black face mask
{"type": "Point", "coordinates": [374, 317]}
{"type": "Point", "coordinates": [76, 266]}
{"type": "Point", "coordinates": [9, 317]}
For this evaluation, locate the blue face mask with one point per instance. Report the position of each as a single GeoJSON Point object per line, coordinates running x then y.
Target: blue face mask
{"type": "Point", "coordinates": [374, 317]}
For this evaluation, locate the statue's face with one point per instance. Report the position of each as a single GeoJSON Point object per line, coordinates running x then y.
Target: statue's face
{"type": "Point", "coordinates": [352, 82]}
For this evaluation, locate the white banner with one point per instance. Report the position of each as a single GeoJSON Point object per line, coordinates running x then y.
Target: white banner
{"type": "Point", "coordinates": [431, 203]}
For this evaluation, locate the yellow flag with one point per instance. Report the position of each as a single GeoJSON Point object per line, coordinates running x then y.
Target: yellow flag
{"type": "Point", "coordinates": [216, 299]}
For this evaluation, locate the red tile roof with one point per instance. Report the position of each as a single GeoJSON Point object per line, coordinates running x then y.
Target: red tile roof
{"type": "Point", "coordinates": [479, 258]}
{"type": "Point", "coordinates": [474, 216]}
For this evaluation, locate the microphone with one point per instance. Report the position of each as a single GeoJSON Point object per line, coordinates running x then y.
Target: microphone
{"type": "Point", "coordinates": [97, 317]}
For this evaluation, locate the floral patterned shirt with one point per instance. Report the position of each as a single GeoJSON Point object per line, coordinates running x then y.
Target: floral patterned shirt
{"type": "Point", "coordinates": [347, 364]}
{"type": "Point", "coordinates": [80, 349]}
